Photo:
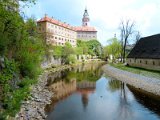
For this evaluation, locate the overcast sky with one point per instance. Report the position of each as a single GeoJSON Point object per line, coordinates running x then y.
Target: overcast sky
{"type": "Point", "coordinates": [105, 15]}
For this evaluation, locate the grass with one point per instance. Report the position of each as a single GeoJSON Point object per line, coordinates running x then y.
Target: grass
{"type": "Point", "coordinates": [141, 71]}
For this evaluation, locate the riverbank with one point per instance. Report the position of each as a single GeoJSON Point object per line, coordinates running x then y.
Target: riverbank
{"type": "Point", "coordinates": [140, 71]}
{"type": "Point", "coordinates": [33, 108]}
{"type": "Point", "coordinates": [151, 85]}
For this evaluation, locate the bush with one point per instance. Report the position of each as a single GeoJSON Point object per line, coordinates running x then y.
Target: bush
{"type": "Point", "coordinates": [71, 59]}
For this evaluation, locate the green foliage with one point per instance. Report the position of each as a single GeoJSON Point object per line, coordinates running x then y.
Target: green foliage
{"type": "Point", "coordinates": [22, 49]}
{"type": "Point", "coordinates": [114, 49]}
{"type": "Point", "coordinates": [71, 59]}
{"type": "Point", "coordinates": [29, 56]}
{"type": "Point", "coordinates": [68, 49]}
{"type": "Point", "coordinates": [95, 48]}
{"type": "Point", "coordinates": [79, 50]}
{"type": "Point", "coordinates": [92, 47]}
{"type": "Point", "coordinates": [57, 51]}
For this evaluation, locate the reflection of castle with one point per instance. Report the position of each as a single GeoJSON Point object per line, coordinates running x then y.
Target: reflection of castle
{"type": "Point", "coordinates": [63, 84]}
{"type": "Point", "coordinates": [62, 89]}
{"type": "Point", "coordinates": [85, 88]}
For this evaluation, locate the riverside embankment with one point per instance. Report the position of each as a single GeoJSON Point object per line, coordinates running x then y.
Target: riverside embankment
{"type": "Point", "coordinates": [40, 96]}
{"type": "Point", "coordinates": [151, 85]}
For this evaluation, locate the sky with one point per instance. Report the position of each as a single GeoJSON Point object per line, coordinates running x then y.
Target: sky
{"type": "Point", "coordinates": [105, 15]}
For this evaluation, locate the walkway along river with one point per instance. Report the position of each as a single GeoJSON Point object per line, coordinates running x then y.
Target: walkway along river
{"type": "Point", "coordinates": [85, 92]}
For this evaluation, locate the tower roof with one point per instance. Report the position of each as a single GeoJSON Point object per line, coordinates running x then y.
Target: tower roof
{"type": "Point", "coordinates": [85, 13]}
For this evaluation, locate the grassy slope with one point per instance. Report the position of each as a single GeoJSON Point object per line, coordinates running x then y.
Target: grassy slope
{"type": "Point", "coordinates": [140, 71]}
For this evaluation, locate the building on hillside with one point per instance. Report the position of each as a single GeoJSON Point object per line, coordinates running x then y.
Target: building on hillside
{"type": "Point", "coordinates": [146, 53]}
{"type": "Point", "coordinates": [56, 32]}
{"type": "Point", "coordinates": [86, 32]}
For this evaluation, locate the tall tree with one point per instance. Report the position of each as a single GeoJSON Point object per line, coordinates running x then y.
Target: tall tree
{"type": "Point", "coordinates": [126, 29]}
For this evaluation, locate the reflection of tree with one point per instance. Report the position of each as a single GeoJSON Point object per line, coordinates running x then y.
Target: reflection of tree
{"type": "Point", "coordinates": [114, 85]}
{"type": "Point", "coordinates": [60, 82]}
{"type": "Point", "coordinates": [90, 75]}
{"type": "Point", "coordinates": [85, 100]}
{"type": "Point", "coordinates": [124, 111]}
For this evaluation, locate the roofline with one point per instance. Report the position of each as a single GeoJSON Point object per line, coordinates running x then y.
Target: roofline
{"type": "Point", "coordinates": [142, 58]}
{"type": "Point", "coordinates": [86, 31]}
{"type": "Point", "coordinates": [150, 36]}
{"type": "Point", "coordinates": [39, 21]}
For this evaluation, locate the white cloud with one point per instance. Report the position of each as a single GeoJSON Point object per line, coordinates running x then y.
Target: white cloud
{"type": "Point", "coordinates": [105, 15]}
{"type": "Point", "coordinates": [109, 13]}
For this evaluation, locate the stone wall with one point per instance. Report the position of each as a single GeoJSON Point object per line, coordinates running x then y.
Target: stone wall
{"type": "Point", "coordinates": [151, 64]}
{"type": "Point", "coordinates": [48, 62]}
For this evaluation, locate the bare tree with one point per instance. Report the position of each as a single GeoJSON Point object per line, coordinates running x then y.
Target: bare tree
{"type": "Point", "coordinates": [126, 29]}
{"type": "Point", "coordinates": [137, 36]}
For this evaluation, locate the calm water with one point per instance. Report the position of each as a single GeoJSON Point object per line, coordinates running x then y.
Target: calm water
{"type": "Point", "coordinates": [85, 93]}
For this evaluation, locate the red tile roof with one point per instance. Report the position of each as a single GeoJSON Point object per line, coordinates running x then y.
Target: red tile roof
{"type": "Point", "coordinates": [65, 25]}
{"type": "Point", "coordinates": [57, 22]}
{"type": "Point", "coordinates": [85, 29]}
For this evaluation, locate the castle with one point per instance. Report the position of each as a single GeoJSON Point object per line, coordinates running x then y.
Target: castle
{"type": "Point", "coordinates": [56, 32]}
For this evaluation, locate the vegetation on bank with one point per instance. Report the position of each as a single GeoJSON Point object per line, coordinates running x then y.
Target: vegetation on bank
{"type": "Point", "coordinates": [144, 72]}
{"type": "Point", "coordinates": [68, 53]}
{"type": "Point", "coordinates": [112, 51]}
{"type": "Point", "coordinates": [22, 51]}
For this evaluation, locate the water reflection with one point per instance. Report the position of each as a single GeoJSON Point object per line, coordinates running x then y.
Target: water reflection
{"type": "Point", "coordinates": [83, 93]}
{"type": "Point", "coordinates": [114, 85]}
{"type": "Point", "coordinates": [149, 101]}
{"type": "Point", "coordinates": [80, 79]}
{"type": "Point", "coordinates": [85, 88]}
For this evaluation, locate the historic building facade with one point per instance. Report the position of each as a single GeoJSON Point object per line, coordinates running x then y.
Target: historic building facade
{"type": "Point", "coordinates": [86, 32]}
{"type": "Point", "coordinates": [56, 32]}
{"type": "Point", "coordinates": [146, 53]}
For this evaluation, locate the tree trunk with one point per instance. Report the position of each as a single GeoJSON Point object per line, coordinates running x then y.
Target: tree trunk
{"type": "Point", "coordinates": [124, 50]}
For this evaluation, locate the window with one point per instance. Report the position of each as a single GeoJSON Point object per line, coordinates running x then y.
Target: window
{"type": "Point", "coordinates": [153, 63]}
{"type": "Point", "coordinates": [140, 61]}
{"type": "Point", "coordinates": [146, 62]}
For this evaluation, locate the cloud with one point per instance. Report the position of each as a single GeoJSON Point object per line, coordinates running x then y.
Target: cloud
{"type": "Point", "coordinates": [105, 15]}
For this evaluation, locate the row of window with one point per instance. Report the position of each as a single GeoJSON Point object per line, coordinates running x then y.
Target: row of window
{"type": "Point", "coordinates": [56, 43]}
{"type": "Point", "coordinates": [86, 32]}
{"type": "Point", "coordinates": [86, 36]}
{"type": "Point", "coordinates": [145, 62]}
{"type": "Point", "coordinates": [61, 33]}
{"type": "Point", "coordinates": [62, 44]}
{"type": "Point", "coordinates": [62, 39]}
{"type": "Point", "coordinates": [59, 27]}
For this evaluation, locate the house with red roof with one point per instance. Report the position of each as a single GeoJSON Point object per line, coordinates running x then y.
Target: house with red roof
{"type": "Point", "coordinates": [56, 32]}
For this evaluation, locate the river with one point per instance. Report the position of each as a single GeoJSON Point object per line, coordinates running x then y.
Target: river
{"type": "Point", "coordinates": [86, 93]}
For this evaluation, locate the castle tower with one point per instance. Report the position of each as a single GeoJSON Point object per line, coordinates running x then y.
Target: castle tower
{"type": "Point", "coordinates": [85, 19]}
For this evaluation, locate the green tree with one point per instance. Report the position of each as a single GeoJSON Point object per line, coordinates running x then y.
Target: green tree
{"type": "Point", "coordinates": [113, 49]}
{"type": "Point", "coordinates": [21, 51]}
{"type": "Point", "coordinates": [95, 47]}
{"type": "Point", "coordinates": [67, 51]}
